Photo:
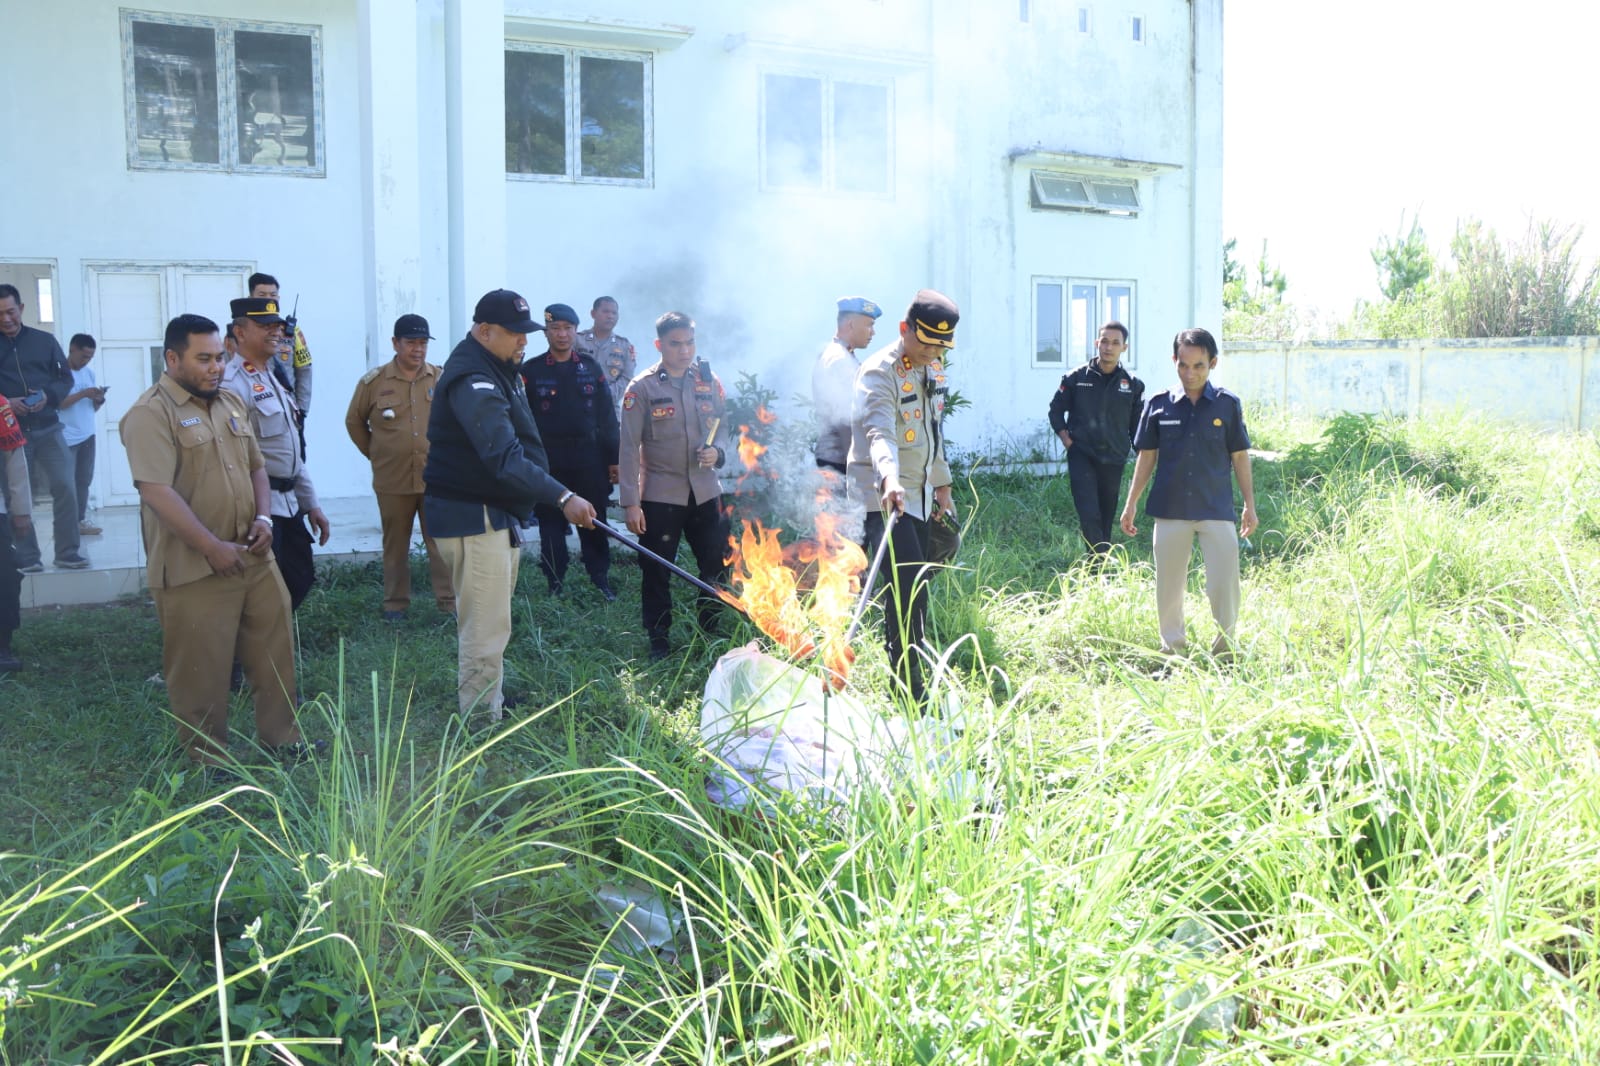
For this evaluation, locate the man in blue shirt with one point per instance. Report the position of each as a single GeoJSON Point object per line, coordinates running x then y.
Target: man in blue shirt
{"type": "Point", "coordinates": [1193, 438]}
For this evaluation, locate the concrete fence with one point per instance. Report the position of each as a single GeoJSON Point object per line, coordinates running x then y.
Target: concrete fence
{"type": "Point", "coordinates": [1550, 382]}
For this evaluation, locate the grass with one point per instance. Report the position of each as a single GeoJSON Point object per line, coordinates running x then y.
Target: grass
{"type": "Point", "coordinates": [1373, 838]}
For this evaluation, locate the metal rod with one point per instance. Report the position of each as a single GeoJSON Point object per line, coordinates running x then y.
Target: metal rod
{"type": "Point", "coordinates": [871, 578]}
{"type": "Point", "coordinates": [721, 596]}
{"type": "Point", "coordinates": [712, 425]}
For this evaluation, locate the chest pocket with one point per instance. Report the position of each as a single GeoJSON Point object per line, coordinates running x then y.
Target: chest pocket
{"type": "Point", "coordinates": [664, 422]}
{"type": "Point", "coordinates": [194, 436]}
{"type": "Point", "coordinates": [272, 417]}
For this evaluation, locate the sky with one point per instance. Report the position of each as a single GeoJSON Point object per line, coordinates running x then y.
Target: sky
{"type": "Point", "coordinates": [1339, 116]}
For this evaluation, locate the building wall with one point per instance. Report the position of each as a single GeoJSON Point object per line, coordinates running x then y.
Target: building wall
{"type": "Point", "coordinates": [1548, 382]}
{"type": "Point", "coordinates": [415, 214]}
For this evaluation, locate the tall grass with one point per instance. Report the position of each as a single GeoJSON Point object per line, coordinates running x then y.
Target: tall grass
{"type": "Point", "coordinates": [1374, 837]}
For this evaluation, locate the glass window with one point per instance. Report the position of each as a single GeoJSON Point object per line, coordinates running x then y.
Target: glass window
{"type": "Point", "coordinates": [1047, 322]}
{"type": "Point", "coordinates": [276, 97]}
{"type": "Point", "coordinates": [819, 133]}
{"type": "Point", "coordinates": [536, 124]}
{"type": "Point", "coordinates": [1082, 329]}
{"type": "Point", "coordinates": [1119, 303]}
{"type": "Point", "coordinates": [47, 300]}
{"type": "Point", "coordinates": [1138, 29]}
{"type": "Point", "coordinates": [220, 94]}
{"type": "Point", "coordinates": [577, 115]}
{"type": "Point", "coordinates": [175, 93]}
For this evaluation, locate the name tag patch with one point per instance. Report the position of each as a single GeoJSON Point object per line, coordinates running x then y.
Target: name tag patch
{"type": "Point", "coordinates": [483, 385]}
{"type": "Point", "coordinates": [1170, 422]}
{"type": "Point", "coordinates": [195, 421]}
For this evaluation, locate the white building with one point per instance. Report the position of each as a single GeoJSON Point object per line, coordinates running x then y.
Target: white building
{"type": "Point", "coordinates": [1047, 163]}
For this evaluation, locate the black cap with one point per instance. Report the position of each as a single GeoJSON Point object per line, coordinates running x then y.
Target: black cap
{"type": "Point", "coordinates": [560, 313]}
{"type": "Point", "coordinates": [504, 308]}
{"type": "Point", "coordinates": [934, 316]}
{"type": "Point", "coordinates": [263, 310]}
{"type": "Point", "coordinates": [411, 326]}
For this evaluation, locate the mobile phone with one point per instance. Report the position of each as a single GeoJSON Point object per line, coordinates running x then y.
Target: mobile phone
{"type": "Point", "coordinates": [34, 398]}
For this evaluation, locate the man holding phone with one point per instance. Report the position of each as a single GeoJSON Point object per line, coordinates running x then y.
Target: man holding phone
{"type": "Point", "coordinates": [34, 378]}
{"type": "Point", "coordinates": [77, 423]}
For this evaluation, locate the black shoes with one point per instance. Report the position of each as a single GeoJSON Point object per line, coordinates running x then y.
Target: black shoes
{"type": "Point", "coordinates": [394, 616]}
{"type": "Point", "coordinates": [9, 662]}
{"type": "Point", "coordinates": [72, 562]}
{"type": "Point", "coordinates": [607, 593]}
{"type": "Point", "coordinates": [659, 649]}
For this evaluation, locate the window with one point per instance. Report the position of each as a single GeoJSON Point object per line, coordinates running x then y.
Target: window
{"type": "Point", "coordinates": [1068, 314]}
{"type": "Point", "coordinates": [222, 94]}
{"type": "Point", "coordinates": [578, 115]}
{"type": "Point", "coordinates": [47, 300]}
{"type": "Point", "coordinates": [824, 134]}
{"type": "Point", "coordinates": [1057, 191]}
{"type": "Point", "coordinates": [1136, 27]}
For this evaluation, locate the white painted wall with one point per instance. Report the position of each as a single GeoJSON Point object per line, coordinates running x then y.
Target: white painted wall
{"type": "Point", "coordinates": [1549, 382]}
{"type": "Point", "coordinates": [413, 138]}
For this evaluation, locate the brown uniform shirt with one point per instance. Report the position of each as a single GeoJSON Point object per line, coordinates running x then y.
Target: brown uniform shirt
{"type": "Point", "coordinates": [663, 424]}
{"type": "Point", "coordinates": [388, 422]}
{"type": "Point", "coordinates": [205, 452]}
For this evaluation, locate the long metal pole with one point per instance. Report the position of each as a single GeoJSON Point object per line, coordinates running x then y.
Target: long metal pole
{"type": "Point", "coordinates": [871, 577]}
{"type": "Point", "coordinates": [711, 590]}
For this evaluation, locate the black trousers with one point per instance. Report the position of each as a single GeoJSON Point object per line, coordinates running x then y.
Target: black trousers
{"type": "Point", "coordinates": [291, 546]}
{"type": "Point", "coordinates": [1095, 489]}
{"type": "Point", "coordinates": [665, 524]}
{"type": "Point", "coordinates": [903, 583]}
{"type": "Point", "coordinates": [592, 484]}
{"type": "Point", "coordinates": [10, 584]}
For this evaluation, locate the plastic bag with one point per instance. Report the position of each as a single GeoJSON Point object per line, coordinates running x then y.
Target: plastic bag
{"type": "Point", "coordinates": [776, 728]}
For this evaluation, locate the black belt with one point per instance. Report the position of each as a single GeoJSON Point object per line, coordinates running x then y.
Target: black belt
{"type": "Point", "coordinates": [281, 484]}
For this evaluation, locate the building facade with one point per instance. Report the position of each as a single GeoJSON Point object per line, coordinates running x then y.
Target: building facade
{"type": "Point", "coordinates": [1048, 163]}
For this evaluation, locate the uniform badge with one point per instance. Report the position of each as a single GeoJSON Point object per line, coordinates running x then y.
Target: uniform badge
{"type": "Point", "coordinates": [702, 389]}
{"type": "Point", "coordinates": [906, 387]}
{"type": "Point", "coordinates": [917, 413]}
{"type": "Point", "coordinates": [248, 369]}
{"type": "Point", "coordinates": [630, 401]}
{"type": "Point", "coordinates": [233, 424]}
{"type": "Point", "coordinates": [705, 406]}
{"type": "Point", "coordinates": [911, 435]}
{"type": "Point", "coordinates": [256, 386]}
{"type": "Point", "coordinates": [1216, 421]}
{"type": "Point", "coordinates": [663, 412]}
{"type": "Point", "coordinates": [1124, 386]}
{"type": "Point", "coordinates": [388, 414]}
{"type": "Point", "coordinates": [430, 393]}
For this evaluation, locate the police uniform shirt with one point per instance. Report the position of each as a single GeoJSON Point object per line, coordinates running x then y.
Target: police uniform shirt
{"type": "Point", "coordinates": [615, 356]}
{"type": "Point", "coordinates": [572, 405]}
{"type": "Point", "coordinates": [898, 429]}
{"type": "Point", "coordinates": [833, 383]}
{"type": "Point", "coordinates": [664, 424]}
{"type": "Point", "coordinates": [206, 453]}
{"type": "Point", "coordinates": [388, 422]}
{"type": "Point", "coordinates": [1195, 443]}
{"type": "Point", "coordinates": [272, 416]}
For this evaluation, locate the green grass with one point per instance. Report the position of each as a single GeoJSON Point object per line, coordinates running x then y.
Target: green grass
{"type": "Point", "coordinates": [1373, 838]}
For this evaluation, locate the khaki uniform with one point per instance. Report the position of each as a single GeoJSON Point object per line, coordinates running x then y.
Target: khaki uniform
{"type": "Point", "coordinates": [898, 429]}
{"type": "Point", "coordinates": [388, 422]}
{"type": "Point", "coordinates": [206, 453]}
{"type": "Point", "coordinates": [616, 357]}
{"type": "Point", "coordinates": [663, 424]}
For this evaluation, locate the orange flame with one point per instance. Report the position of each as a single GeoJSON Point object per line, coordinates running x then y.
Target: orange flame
{"type": "Point", "coordinates": [767, 588]}
{"type": "Point", "coordinates": [750, 451]}
{"type": "Point", "coordinates": [764, 416]}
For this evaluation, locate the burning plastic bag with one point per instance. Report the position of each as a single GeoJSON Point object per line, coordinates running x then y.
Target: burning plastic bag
{"type": "Point", "coordinates": [776, 729]}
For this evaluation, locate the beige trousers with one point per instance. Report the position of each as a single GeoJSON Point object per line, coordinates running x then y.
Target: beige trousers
{"type": "Point", "coordinates": [483, 573]}
{"type": "Point", "coordinates": [1173, 547]}
{"type": "Point", "coordinates": [397, 511]}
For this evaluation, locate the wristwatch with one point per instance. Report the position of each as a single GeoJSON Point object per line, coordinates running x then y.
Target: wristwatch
{"type": "Point", "coordinates": [569, 494]}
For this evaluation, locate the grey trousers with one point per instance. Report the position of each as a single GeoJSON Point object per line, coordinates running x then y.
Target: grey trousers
{"type": "Point", "coordinates": [49, 455]}
{"type": "Point", "coordinates": [1173, 547]}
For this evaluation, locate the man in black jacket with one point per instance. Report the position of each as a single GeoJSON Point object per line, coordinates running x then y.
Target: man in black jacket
{"type": "Point", "coordinates": [486, 471]}
{"type": "Point", "coordinates": [35, 378]}
{"type": "Point", "coordinates": [1094, 414]}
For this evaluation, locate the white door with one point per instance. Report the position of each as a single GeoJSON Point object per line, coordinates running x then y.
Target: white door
{"type": "Point", "coordinates": [129, 307]}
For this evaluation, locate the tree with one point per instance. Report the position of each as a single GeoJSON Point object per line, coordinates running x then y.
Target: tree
{"type": "Point", "coordinates": [1255, 311]}
{"type": "Point", "coordinates": [1404, 262]}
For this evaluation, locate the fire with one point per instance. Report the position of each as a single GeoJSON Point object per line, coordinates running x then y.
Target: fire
{"type": "Point", "coordinates": [767, 588]}
{"type": "Point", "coordinates": [750, 451]}
{"type": "Point", "coordinates": [764, 416]}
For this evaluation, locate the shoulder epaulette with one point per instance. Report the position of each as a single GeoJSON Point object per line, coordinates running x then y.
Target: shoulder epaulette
{"type": "Point", "coordinates": [371, 374]}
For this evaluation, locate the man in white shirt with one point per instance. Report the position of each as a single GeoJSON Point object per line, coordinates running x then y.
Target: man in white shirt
{"type": "Point", "coordinates": [77, 423]}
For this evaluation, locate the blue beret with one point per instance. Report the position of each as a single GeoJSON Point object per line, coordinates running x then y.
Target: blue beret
{"type": "Point", "coordinates": [859, 305]}
{"type": "Point", "coordinates": [560, 313]}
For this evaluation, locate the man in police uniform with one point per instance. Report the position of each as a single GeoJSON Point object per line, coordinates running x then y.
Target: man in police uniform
{"type": "Point", "coordinates": [388, 422]}
{"type": "Point", "coordinates": [16, 516]}
{"type": "Point", "coordinates": [667, 472]}
{"type": "Point", "coordinates": [612, 351]}
{"type": "Point", "coordinates": [292, 356]}
{"type": "Point", "coordinates": [1094, 414]}
{"type": "Point", "coordinates": [203, 489]}
{"type": "Point", "coordinates": [578, 424]}
{"type": "Point", "coordinates": [897, 465]}
{"type": "Point", "coordinates": [1193, 439]}
{"type": "Point", "coordinates": [486, 472]}
{"type": "Point", "coordinates": [833, 380]}
{"type": "Point", "coordinates": [274, 418]}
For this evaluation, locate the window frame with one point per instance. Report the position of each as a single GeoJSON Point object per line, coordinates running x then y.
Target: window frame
{"type": "Point", "coordinates": [1138, 29]}
{"type": "Point", "coordinates": [227, 75]}
{"type": "Point", "coordinates": [572, 99]}
{"type": "Point", "coordinates": [829, 186]}
{"type": "Point", "coordinates": [1041, 200]}
{"type": "Point", "coordinates": [1066, 282]}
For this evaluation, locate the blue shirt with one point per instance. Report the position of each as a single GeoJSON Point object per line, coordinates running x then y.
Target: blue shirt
{"type": "Point", "coordinates": [1195, 443]}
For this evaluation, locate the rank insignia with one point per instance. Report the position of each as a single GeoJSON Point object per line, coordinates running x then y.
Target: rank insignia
{"type": "Point", "coordinates": [906, 387]}
{"type": "Point", "coordinates": [663, 412]}
{"type": "Point", "coordinates": [911, 435]}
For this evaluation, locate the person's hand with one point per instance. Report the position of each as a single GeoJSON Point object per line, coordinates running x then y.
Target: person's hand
{"type": "Point", "coordinates": [225, 557]}
{"type": "Point", "coordinates": [21, 523]}
{"type": "Point", "coordinates": [634, 518]}
{"type": "Point", "coordinates": [1248, 521]}
{"type": "Point", "coordinates": [578, 511]}
{"type": "Point", "coordinates": [893, 497]}
{"type": "Point", "coordinates": [319, 525]}
{"type": "Point", "coordinates": [99, 395]}
{"type": "Point", "coordinates": [25, 407]}
{"type": "Point", "coordinates": [1127, 522]}
{"type": "Point", "coordinates": [260, 541]}
{"type": "Point", "coordinates": [613, 473]}
{"type": "Point", "coordinates": [945, 502]}
{"type": "Point", "coordinates": [706, 456]}
{"type": "Point", "coordinates": [1066, 439]}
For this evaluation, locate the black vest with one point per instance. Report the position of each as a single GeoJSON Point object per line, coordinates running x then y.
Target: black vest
{"type": "Point", "coordinates": [454, 470]}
